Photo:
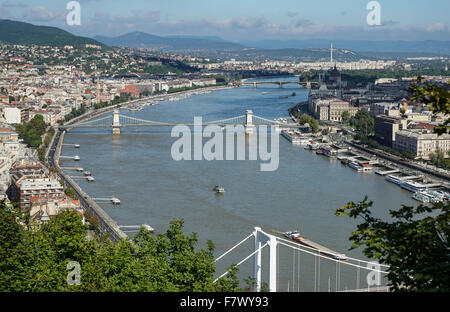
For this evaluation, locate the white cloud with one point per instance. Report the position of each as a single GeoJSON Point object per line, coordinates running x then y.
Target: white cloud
{"type": "Point", "coordinates": [436, 27]}
{"type": "Point", "coordinates": [41, 14]}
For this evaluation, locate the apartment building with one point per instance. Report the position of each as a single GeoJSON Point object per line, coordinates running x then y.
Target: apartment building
{"type": "Point", "coordinates": [29, 188]}
{"type": "Point", "coordinates": [421, 142]}
{"type": "Point", "coordinates": [386, 128]}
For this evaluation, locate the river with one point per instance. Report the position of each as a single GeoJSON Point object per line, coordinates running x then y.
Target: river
{"type": "Point", "coordinates": [302, 194]}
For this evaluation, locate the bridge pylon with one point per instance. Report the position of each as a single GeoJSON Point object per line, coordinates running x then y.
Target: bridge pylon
{"type": "Point", "coordinates": [116, 122]}
{"type": "Point", "coordinates": [261, 238]}
{"type": "Point", "coordinates": [249, 122]}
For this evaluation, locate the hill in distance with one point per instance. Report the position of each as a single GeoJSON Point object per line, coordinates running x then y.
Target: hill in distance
{"type": "Point", "coordinates": [14, 32]}
{"type": "Point", "coordinates": [212, 43]}
{"type": "Point", "coordinates": [171, 43]}
{"type": "Point", "coordinates": [390, 46]}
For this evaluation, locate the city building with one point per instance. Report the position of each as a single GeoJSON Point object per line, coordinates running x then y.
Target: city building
{"type": "Point", "coordinates": [43, 208]}
{"type": "Point", "coordinates": [421, 142]}
{"type": "Point", "coordinates": [13, 115]}
{"type": "Point", "coordinates": [385, 108]}
{"type": "Point", "coordinates": [331, 109]}
{"type": "Point", "coordinates": [132, 91]}
{"type": "Point", "coordinates": [28, 188]}
{"type": "Point", "coordinates": [386, 128]}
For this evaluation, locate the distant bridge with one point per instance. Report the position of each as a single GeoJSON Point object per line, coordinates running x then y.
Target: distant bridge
{"type": "Point", "coordinates": [281, 84]}
{"type": "Point", "coordinates": [116, 121]}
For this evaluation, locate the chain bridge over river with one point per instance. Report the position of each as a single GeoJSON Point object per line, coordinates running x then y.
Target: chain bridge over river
{"type": "Point", "coordinates": [116, 121]}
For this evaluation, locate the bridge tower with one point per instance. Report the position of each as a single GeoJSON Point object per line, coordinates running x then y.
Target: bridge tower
{"type": "Point", "coordinates": [249, 122]}
{"type": "Point", "coordinates": [255, 85]}
{"type": "Point", "coordinates": [116, 122]}
{"type": "Point", "coordinates": [260, 239]}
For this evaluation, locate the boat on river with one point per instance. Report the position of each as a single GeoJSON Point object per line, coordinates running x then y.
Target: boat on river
{"type": "Point", "coordinates": [219, 189]}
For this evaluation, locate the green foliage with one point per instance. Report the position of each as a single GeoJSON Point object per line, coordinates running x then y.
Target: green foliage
{"type": "Point", "coordinates": [15, 32]}
{"type": "Point", "coordinates": [251, 285]}
{"type": "Point", "coordinates": [371, 142]}
{"type": "Point", "coordinates": [438, 159]}
{"type": "Point", "coordinates": [75, 113]}
{"type": "Point", "coordinates": [36, 260]}
{"type": "Point", "coordinates": [92, 220]}
{"type": "Point", "coordinates": [71, 193]}
{"type": "Point", "coordinates": [117, 100]}
{"type": "Point", "coordinates": [32, 131]}
{"type": "Point", "coordinates": [345, 117]}
{"type": "Point", "coordinates": [161, 70]}
{"type": "Point", "coordinates": [363, 123]}
{"type": "Point", "coordinates": [41, 153]}
{"type": "Point", "coordinates": [307, 119]}
{"type": "Point", "coordinates": [414, 245]}
{"type": "Point", "coordinates": [436, 98]}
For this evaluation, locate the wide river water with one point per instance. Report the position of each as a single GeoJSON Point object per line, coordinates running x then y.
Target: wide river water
{"type": "Point", "coordinates": [303, 194]}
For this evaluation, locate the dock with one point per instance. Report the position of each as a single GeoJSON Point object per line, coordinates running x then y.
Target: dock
{"type": "Point", "coordinates": [78, 169]}
{"type": "Point", "coordinates": [386, 172]}
{"type": "Point", "coordinates": [409, 178]}
{"type": "Point", "coordinates": [295, 138]}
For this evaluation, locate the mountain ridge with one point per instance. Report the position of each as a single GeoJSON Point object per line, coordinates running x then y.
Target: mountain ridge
{"type": "Point", "coordinates": [391, 46]}
{"type": "Point", "coordinates": [139, 39]}
{"type": "Point", "coordinates": [15, 32]}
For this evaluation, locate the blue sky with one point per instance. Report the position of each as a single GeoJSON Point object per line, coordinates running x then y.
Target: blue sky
{"type": "Point", "coordinates": [243, 19]}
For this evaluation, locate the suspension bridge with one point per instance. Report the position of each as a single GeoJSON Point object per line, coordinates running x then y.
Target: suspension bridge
{"type": "Point", "coordinates": [281, 84]}
{"type": "Point", "coordinates": [116, 121]}
{"type": "Point", "coordinates": [272, 243]}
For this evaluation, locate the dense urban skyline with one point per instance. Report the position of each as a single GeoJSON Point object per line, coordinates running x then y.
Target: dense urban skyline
{"type": "Point", "coordinates": [244, 20]}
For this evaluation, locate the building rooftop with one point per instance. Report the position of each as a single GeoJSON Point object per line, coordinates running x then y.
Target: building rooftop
{"type": "Point", "coordinates": [33, 184]}
{"type": "Point", "coordinates": [423, 135]}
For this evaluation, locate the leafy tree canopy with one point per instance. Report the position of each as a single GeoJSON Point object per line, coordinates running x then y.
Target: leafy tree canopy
{"type": "Point", "coordinates": [436, 98]}
{"type": "Point", "coordinates": [36, 260]}
{"type": "Point", "coordinates": [416, 249]}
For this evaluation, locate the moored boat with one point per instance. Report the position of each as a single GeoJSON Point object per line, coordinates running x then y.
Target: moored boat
{"type": "Point", "coordinates": [356, 166]}
{"type": "Point", "coordinates": [419, 196]}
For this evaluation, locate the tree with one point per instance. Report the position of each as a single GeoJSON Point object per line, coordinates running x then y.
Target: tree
{"type": "Point", "coordinates": [409, 155]}
{"type": "Point", "coordinates": [363, 123]}
{"type": "Point", "coordinates": [436, 98]}
{"type": "Point", "coordinates": [32, 131]}
{"type": "Point", "coordinates": [345, 117]}
{"type": "Point", "coordinates": [414, 248]}
{"type": "Point", "coordinates": [438, 159]}
{"type": "Point", "coordinates": [71, 193]}
{"type": "Point", "coordinates": [37, 260]}
{"type": "Point", "coordinates": [313, 123]}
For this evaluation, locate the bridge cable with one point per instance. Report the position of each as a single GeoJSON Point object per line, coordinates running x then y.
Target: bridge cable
{"type": "Point", "coordinates": [315, 273]}
{"type": "Point", "coordinates": [235, 246]}
{"type": "Point", "coordinates": [328, 258]}
{"type": "Point", "coordinates": [249, 256]}
{"type": "Point", "coordinates": [315, 249]}
{"type": "Point", "coordinates": [293, 270]}
{"type": "Point", "coordinates": [357, 276]}
{"type": "Point", "coordinates": [278, 266]}
{"type": "Point", "coordinates": [298, 271]}
{"type": "Point", "coordinates": [318, 276]}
